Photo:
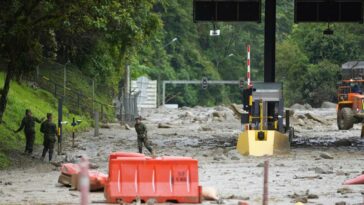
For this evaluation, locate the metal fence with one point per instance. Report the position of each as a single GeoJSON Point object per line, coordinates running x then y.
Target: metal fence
{"type": "Point", "coordinates": [128, 108]}
{"type": "Point", "coordinates": [63, 83]}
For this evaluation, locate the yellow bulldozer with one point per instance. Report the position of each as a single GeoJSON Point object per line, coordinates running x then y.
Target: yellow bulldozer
{"type": "Point", "coordinates": [264, 132]}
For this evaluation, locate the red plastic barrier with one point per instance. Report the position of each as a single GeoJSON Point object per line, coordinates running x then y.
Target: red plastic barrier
{"type": "Point", "coordinates": [70, 169]}
{"type": "Point", "coordinates": [166, 179]}
{"type": "Point", "coordinates": [356, 180]}
{"type": "Point", "coordinates": [115, 155]}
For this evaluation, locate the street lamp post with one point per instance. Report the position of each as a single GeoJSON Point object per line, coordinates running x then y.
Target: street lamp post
{"type": "Point", "coordinates": [65, 77]}
{"type": "Point", "coordinates": [159, 75]}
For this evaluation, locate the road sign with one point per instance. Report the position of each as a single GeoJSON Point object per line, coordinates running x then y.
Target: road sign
{"type": "Point", "coordinates": [241, 83]}
{"type": "Point", "coordinates": [204, 83]}
{"type": "Point", "coordinates": [227, 10]}
{"type": "Point", "coordinates": [328, 11]}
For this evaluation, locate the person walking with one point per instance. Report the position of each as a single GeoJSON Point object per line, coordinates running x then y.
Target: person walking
{"type": "Point", "coordinates": [141, 131]}
{"type": "Point", "coordinates": [49, 129]}
{"type": "Point", "coordinates": [28, 124]}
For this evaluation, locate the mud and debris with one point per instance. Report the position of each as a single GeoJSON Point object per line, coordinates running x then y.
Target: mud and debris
{"type": "Point", "coordinates": [321, 158]}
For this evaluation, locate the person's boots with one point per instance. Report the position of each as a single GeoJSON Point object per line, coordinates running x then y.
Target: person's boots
{"type": "Point", "coordinates": [50, 156]}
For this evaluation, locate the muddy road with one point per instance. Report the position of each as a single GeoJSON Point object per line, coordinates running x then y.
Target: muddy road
{"type": "Point", "coordinates": [209, 134]}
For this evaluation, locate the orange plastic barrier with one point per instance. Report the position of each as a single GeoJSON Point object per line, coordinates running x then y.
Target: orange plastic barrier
{"type": "Point", "coordinates": [165, 179]}
{"type": "Point", "coordinates": [356, 180]}
{"type": "Point", "coordinates": [115, 155]}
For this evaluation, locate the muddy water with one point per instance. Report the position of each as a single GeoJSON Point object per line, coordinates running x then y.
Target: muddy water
{"type": "Point", "coordinates": [195, 132]}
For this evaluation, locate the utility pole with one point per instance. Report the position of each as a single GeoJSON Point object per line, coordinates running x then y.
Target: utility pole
{"type": "Point", "coordinates": [65, 77]}
{"type": "Point", "coordinates": [93, 95]}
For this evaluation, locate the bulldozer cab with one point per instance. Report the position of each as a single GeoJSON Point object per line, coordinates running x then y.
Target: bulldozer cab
{"type": "Point", "coordinates": [266, 95]}
{"type": "Point", "coordinates": [266, 135]}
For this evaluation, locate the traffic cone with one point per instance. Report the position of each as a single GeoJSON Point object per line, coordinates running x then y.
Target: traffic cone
{"type": "Point", "coordinates": [356, 180]}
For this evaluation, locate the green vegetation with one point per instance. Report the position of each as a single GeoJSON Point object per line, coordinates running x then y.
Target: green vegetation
{"type": "Point", "coordinates": [101, 37]}
{"type": "Point", "coordinates": [22, 97]}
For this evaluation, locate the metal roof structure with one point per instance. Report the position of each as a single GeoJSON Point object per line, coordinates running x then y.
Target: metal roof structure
{"type": "Point", "coordinates": [353, 65]}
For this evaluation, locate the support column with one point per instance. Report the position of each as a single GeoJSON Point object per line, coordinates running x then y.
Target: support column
{"type": "Point", "coordinates": [270, 46]}
{"type": "Point", "coordinates": [270, 41]}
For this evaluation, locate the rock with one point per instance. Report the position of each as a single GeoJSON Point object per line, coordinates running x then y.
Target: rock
{"type": "Point", "coordinates": [345, 190]}
{"type": "Point", "coordinates": [237, 109]}
{"type": "Point", "coordinates": [302, 117]}
{"type": "Point", "coordinates": [188, 114]}
{"type": "Point", "coordinates": [260, 165]}
{"type": "Point", "coordinates": [161, 125]}
{"type": "Point", "coordinates": [218, 114]}
{"type": "Point", "coordinates": [343, 142]}
{"type": "Point", "coordinates": [127, 127]}
{"type": "Point", "coordinates": [105, 126]}
{"type": "Point", "coordinates": [8, 183]}
{"type": "Point", "coordinates": [341, 173]}
{"type": "Point", "coordinates": [206, 128]}
{"type": "Point", "coordinates": [325, 155]}
{"type": "Point", "coordinates": [218, 158]}
{"type": "Point", "coordinates": [340, 203]}
{"type": "Point", "coordinates": [328, 105]}
{"type": "Point", "coordinates": [298, 107]}
{"type": "Point", "coordinates": [244, 198]}
{"type": "Point", "coordinates": [312, 196]}
{"type": "Point", "coordinates": [307, 106]}
{"type": "Point", "coordinates": [300, 199]}
{"type": "Point", "coordinates": [300, 122]}
{"type": "Point", "coordinates": [70, 158]}
{"type": "Point", "coordinates": [94, 166]}
{"type": "Point", "coordinates": [319, 170]}
{"type": "Point", "coordinates": [56, 164]}
{"type": "Point", "coordinates": [151, 201]}
{"type": "Point", "coordinates": [313, 117]}
{"type": "Point", "coordinates": [235, 158]}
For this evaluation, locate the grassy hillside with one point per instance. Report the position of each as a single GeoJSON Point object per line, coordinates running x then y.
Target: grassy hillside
{"type": "Point", "coordinates": [23, 97]}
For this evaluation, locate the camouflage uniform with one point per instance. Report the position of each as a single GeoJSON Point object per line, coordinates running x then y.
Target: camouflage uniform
{"type": "Point", "coordinates": [49, 129]}
{"type": "Point", "coordinates": [28, 124]}
{"type": "Point", "coordinates": [141, 130]}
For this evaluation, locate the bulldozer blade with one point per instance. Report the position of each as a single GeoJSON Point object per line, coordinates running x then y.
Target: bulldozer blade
{"type": "Point", "coordinates": [262, 142]}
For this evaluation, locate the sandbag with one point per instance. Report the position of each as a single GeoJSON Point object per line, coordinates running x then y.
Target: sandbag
{"type": "Point", "coordinates": [65, 179]}
{"type": "Point", "coordinates": [70, 169]}
{"type": "Point", "coordinates": [97, 181]}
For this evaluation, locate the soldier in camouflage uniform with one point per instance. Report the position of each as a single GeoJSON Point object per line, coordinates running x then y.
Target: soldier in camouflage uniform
{"type": "Point", "coordinates": [141, 130]}
{"type": "Point", "coordinates": [49, 129]}
{"type": "Point", "coordinates": [28, 124]}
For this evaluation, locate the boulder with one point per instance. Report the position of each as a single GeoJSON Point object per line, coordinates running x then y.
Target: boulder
{"type": "Point", "coordinates": [219, 114]}
{"type": "Point", "coordinates": [325, 155]}
{"type": "Point", "coordinates": [315, 118]}
{"type": "Point", "coordinates": [161, 125]}
{"type": "Point", "coordinates": [298, 107]}
{"type": "Point", "coordinates": [328, 105]}
{"type": "Point", "coordinates": [307, 106]}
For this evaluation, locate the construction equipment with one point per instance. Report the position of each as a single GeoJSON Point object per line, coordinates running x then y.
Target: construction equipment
{"type": "Point", "coordinates": [350, 107]}
{"type": "Point", "coordinates": [264, 133]}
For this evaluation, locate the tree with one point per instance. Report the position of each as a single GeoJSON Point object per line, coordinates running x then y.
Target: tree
{"type": "Point", "coordinates": [291, 66]}
{"type": "Point", "coordinates": [319, 83]}
{"type": "Point", "coordinates": [33, 30]}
